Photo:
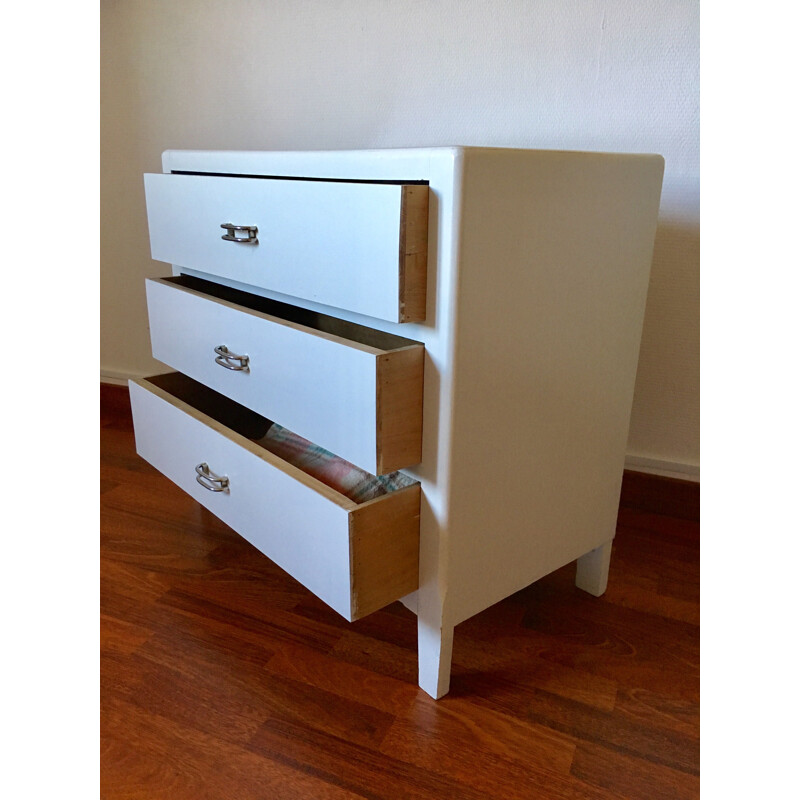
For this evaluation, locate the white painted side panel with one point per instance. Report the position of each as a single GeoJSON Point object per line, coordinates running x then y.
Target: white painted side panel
{"type": "Point", "coordinates": [300, 530]}
{"type": "Point", "coordinates": [320, 389]}
{"type": "Point", "coordinates": [552, 281]}
{"type": "Point", "coordinates": [332, 243]}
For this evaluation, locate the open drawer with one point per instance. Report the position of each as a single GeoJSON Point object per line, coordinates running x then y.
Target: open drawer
{"type": "Point", "coordinates": [353, 390]}
{"type": "Point", "coordinates": [356, 556]}
{"type": "Point", "coordinates": [355, 245]}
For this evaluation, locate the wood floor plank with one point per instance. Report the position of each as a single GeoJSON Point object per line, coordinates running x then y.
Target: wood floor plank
{"type": "Point", "coordinates": [361, 770]}
{"type": "Point", "coordinates": [194, 702]}
{"type": "Point", "coordinates": [394, 624]}
{"type": "Point", "coordinates": [107, 484]}
{"type": "Point", "coordinates": [634, 647]}
{"type": "Point", "coordinates": [662, 602]}
{"type": "Point", "coordinates": [523, 672]}
{"type": "Point", "coordinates": [120, 636]}
{"type": "Point", "coordinates": [667, 529]}
{"type": "Point", "coordinates": [243, 673]}
{"type": "Point", "coordinates": [424, 729]}
{"type": "Point", "coordinates": [629, 629]}
{"type": "Point", "coordinates": [424, 736]}
{"type": "Point", "coordinates": [200, 647]}
{"type": "Point", "coordinates": [127, 519]}
{"type": "Point", "coordinates": [665, 496]}
{"type": "Point", "coordinates": [659, 710]}
{"type": "Point", "coordinates": [657, 744]}
{"type": "Point", "coordinates": [378, 655]}
{"type": "Point", "coordinates": [349, 680]}
{"type": "Point", "coordinates": [270, 624]}
{"type": "Point", "coordinates": [148, 757]}
{"type": "Point", "coordinates": [632, 777]}
{"type": "Point", "coordinates": [129, 593]}
{"type": "Point", "coordinates": [492, 774]}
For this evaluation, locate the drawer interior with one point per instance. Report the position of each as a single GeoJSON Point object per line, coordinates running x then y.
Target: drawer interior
{"type": "Point", "coordinates": [323, 323]}
{"type": "Point", "coordinates": [354, 483]}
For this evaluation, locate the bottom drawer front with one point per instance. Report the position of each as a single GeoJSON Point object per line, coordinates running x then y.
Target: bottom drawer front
{"type": "Point", "coordinates": [355, 557]}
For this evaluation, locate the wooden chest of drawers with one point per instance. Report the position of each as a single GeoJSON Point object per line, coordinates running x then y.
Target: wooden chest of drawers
{"type": "Point", "coordinates": [402, 374]}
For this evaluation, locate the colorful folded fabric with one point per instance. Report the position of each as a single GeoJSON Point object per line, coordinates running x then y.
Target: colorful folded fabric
{"type": "Point", "coordinates": [342, 476]}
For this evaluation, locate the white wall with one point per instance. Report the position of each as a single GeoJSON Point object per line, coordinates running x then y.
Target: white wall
{"type": "Point", "coordinates": [618, 75]}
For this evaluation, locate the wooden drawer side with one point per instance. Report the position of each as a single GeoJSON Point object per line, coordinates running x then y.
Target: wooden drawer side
{"type": "Point", "coordinates": [399, 384]}
{"type": "Point", "coordinates": [384, 551]}
{"type": "Point", "coordinates": [413, 252]}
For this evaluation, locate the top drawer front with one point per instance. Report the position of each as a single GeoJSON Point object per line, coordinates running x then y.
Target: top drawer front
{"type": "Point", "coordinates": [356, 246]}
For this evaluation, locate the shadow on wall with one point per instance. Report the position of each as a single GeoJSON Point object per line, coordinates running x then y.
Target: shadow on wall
{"type": "Point", "coordinates": [674, 293]}
{"type": "Point", "coordinates": [666, 408]}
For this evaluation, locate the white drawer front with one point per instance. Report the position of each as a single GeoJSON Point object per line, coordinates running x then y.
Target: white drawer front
{"type": "Point", "coordinates": [328, 389]}
{"type": "Point", "coordinates": [331, 545]}
{"type": "Point", "coordinates": [355, 246]}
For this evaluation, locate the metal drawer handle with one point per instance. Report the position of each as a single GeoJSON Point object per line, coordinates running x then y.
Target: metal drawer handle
{"type": "Point", "coordinates": [225, 358]}
{"type": "Point", "coordinates": [208, 480]}
{"type": "Point", "coordinates": [230, 236]}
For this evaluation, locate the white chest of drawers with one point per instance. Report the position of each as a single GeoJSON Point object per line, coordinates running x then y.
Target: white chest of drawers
{"type": "Point", "coordinates": [468, 316]}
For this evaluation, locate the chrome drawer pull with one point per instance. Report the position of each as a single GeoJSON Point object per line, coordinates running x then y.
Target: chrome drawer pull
{"type": "Point", "coordinates": [208, 480]}
{"type": "Point", "coordinates": [230, 236]}
{"type": "Point", "coordinates": [225, 357]}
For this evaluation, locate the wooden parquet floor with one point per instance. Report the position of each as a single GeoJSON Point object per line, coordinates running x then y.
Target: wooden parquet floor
{"type": "Point", "coordinates": [221, 677]}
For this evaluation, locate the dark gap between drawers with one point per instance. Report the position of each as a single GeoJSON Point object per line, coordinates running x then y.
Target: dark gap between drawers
{"type": "Point", "coordinates": [343, 477]}
{"type": "Point", "coordinates": [296, 178]}
{"type": "Point", "coordinates": [300, 316]}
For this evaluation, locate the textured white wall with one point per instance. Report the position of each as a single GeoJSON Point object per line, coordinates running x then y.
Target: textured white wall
{"type": "Point", "coordinates": [617, 75]}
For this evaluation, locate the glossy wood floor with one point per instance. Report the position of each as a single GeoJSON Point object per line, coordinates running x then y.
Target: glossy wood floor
{"type": "Point", "coordinates": [223, 678]}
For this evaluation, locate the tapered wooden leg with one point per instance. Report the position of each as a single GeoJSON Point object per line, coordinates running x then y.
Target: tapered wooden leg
{"type": "Point", "coordinates": [592, 573]}
{"type": "Point", "coordinates": [435, 649]}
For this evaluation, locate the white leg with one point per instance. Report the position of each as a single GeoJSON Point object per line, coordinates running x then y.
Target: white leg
{"type": "Point", "coordinates": [434, 635]}
{"type": "Point", "coordinates": [592, 574]}
{"type": "Point", "coordinates": [435, 653]}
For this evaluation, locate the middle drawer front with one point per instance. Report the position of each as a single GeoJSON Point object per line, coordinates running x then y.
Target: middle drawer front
{"type": "Point", "coordinates": [352, 390]}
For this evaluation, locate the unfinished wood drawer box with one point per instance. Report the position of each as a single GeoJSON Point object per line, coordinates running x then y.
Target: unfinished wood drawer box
{"type": "Point", "coordinates": [356, 246]}
{"type": "Point", "coordinates": [350, 389]}
{"type": "Point", "coordinates": [357, 557]}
